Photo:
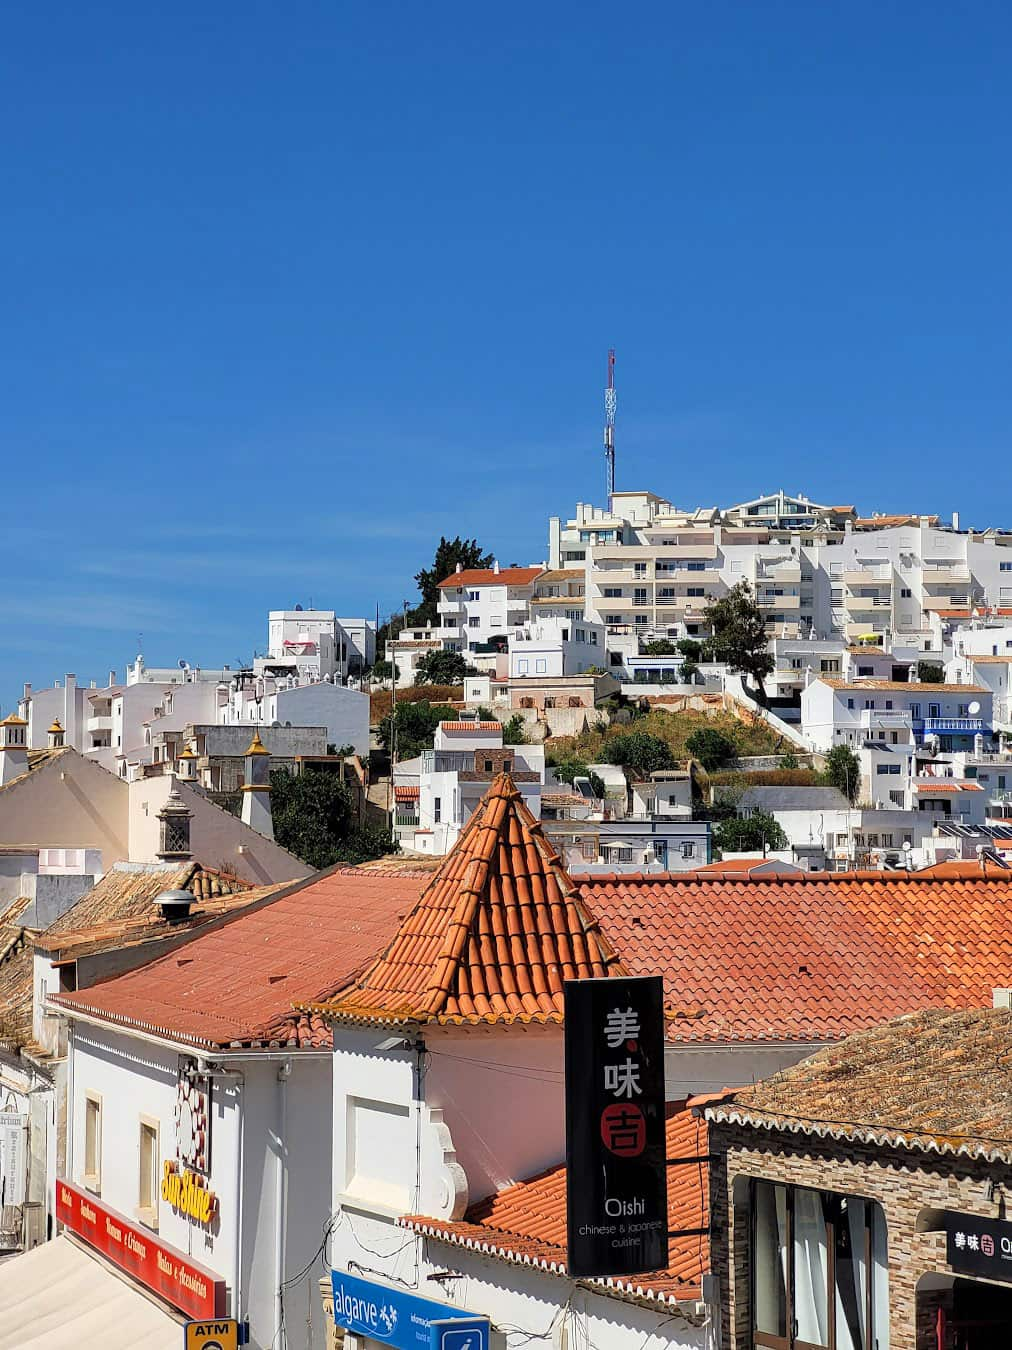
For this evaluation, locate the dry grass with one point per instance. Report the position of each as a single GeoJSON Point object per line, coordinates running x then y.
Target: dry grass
{"type": "Point", "coordinates": [379, 701]}
{"type": "Point", "coordinates": [674, 728]}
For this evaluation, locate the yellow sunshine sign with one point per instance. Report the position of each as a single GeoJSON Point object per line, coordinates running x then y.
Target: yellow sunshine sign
{"type": "Point", "coordinates": [187, 1193]}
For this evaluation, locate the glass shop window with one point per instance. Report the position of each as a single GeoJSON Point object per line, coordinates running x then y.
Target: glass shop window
{"type": "Point", "coordinates": [819, 1270]}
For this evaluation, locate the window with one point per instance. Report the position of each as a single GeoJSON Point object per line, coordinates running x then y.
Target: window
{"type": "Point", "coordinates": [613, 592]}
{"type": "Point", "coordinates": [93, 1141]}
{"type": "Point", "coordinates": [473, 623]}
{"type": "Point", "coordinates": [688, 849]}
{"type": "Point", "coordinates": [472, 595]}
{"type": "Point", "coordinates": [696, 592]}
{"type": "Point", "coordinates": [866, 670]}
{"type": "Point", "coordinates": [540, 665]}
{"type": "Point", "coordinates": [819, 1269]}
{"type": "Point", "coordinates": [640, 595]}
{"type": "Point", "coordinates": [589, 850]}
{"type": "Point", "coordinates": [488, 766]}
{"type": "Point", "coordinates": [850, 703]}
{"type": "Point", "coordinates": [905, 593]}
{"type": "Point", "coordinates": [695, 567]}
{"type": "Point", "coordinates": [521, 665]}
{"type": "Point", "coordinates": [148, 1180]}
{"type": "Point", "coordinates": [1005, 567]}
{"type": "Point", "coordinates": [639, 569]}
{"type": "Point", "coordinates": [887, 841]}
{"type": "Point", "coordinates": [437, 809]}
{"type": "Point", "coordinates": [889, 704]}
{"type": "Point", "coordinates": [934, 710]}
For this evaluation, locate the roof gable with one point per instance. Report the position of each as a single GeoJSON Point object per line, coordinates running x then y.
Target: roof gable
{"type": "Point", "coordinates": [493, 937]}
{"type": "Point", "coordinates": [487, 576]}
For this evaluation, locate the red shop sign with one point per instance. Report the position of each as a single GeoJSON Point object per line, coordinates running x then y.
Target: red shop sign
{"type": "Point", "coordinates": [165, 1271]}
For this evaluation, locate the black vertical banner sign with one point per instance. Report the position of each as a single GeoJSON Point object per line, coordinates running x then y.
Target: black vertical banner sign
{"type": "Point", "coordinates": [617, 1189]}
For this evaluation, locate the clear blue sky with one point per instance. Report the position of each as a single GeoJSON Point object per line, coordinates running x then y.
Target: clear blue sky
{"type": "Point", "coordinates": [288, 290]}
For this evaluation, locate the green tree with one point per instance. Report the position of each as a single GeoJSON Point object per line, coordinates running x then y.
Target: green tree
{"type": "Point", "coordinates": [449, 552]}
{"type": "Point", "coordinates": [712, 749]}
{"type": "Point", "coordinates": [691, 649]}
{"type": "Point", "coordinates": [788, 761]}
{"type": "Point", "coordinates": [687, 672]}
{"type": "Point", "coordinates": [930, 672]}
{"type": "Point", "coordinates": [441, 668]}
{"type": "Point", "coordinates": [843, 771]}
{"type": "Point", "coordinates": [660, 647]}
{"type": "Point", "coordinates": [416, 725]}
{"type": "Point", "coordinates": [749, 834]}
{"type": "Point", "coordinates": [739, 635]}
{"type": "Point", "coordinates": [314, 818]}
{"type": "Point", "coordinates": [385, 670]}
{"type": "Point", "coordinates": [639, 752]}
{"type": "Point", "coordinates": [514, 732]}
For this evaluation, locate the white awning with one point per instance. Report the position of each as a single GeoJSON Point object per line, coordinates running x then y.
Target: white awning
{"type": "Point", "coordinates": [60, 1297]}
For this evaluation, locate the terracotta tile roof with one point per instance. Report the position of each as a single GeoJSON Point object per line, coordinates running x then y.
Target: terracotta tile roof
{"type": "Point", "coordinates": [37, 759]}
{"type": "Point", "coordinates": [526, 1223]}
{"type": "Point", "coordinates": [236, 984]}
{"type": "Point", "coordinates": [485, 576]}
{"type": "Point", "coordinates": [886, 522]}
{"type": "Point", "coordinates": [407, 794]}
{"type": "Point", "coordinates": [935, 1080]}
{"type": "Point", "coordinates": [492, 937]}
{"type": "Point", "coordinates": [903, 685]}
{"type": "Point", "coordinates": [127, 892]}
{"type": "Point", "coordinates": [808, 956]}
{"type": "Point", "coordinates": [470, 726]}
{"type": "Point", "coordinates": [953, 613]}
{"type": "Point", "coordinates": [960, 785]}
{"type": "Point", "coordinates": [17, 962]}
{"type": "Point", "coordinates": [987, 660]}
{"type": "Point", "coordinates": [983, 866]}
{"type": "Point", "coordinates": [561, 574]}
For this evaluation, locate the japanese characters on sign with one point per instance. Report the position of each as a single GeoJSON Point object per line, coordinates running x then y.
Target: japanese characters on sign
{"type": "Point", "coordinates": [979, 1246]}
{"type": "Point", "coordinates": [616, 1175]}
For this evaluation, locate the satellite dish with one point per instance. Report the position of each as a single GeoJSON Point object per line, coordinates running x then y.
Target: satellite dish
{"type": "Point", "coordinates": [907, 846]}
{"type": "Point", "coordinates": [974, 708]}
{"type": "Point", "coordinates": [182, 663]}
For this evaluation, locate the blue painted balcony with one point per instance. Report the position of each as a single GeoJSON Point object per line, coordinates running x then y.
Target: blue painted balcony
{"type": "Point", "coordinates": [950, 726]}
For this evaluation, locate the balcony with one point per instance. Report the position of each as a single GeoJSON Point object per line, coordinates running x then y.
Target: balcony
{"type": "Point", "coordinates": [950, 600]}
{"type": "Point", "coordinates": [958, 726]}
{"type": "Point", "coordinates": [873, 719]}
{"type": "Point", "coordinates": [778, 602]}
{"type": "Point", "coordinates": [867, 576]}
{"type": "Point", "coordinates": [682, 576]}
{"type": "Point", "coordinates": [787, 573]}
{"type": "Point", "coordinates": [867, 604]}
{"type": "Point", "coordinates": [945, 576]}
{"type": "Point", "coordinates": [99, 722]}
{"type": "Point", "coordinates": [697, 552]}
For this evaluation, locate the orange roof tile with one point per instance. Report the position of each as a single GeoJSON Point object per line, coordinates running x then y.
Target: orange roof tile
{"type": "Point", "coordinates": [904, 685]}
{"type": "Point", "coordinates": [808, 955]}
{"type": "Point", "coordinates": [962, 786]}
{"type": "Point", "coordinates": [493, 936]}
{"type": "Point", "coordinates": [485, 576]}
{"type": "Point", "coordinates": [935, 1081]}
{"type": "Point", "coordinates": [987, 660]}
{"type": "Point", "coordinates": [406, 794]}
{"type": "Point", "coordinates": [236, 984]}
{"type": "Point", "coordinates": [470, 726]}
{"type": "Point", "coordinates": [526, 1223]}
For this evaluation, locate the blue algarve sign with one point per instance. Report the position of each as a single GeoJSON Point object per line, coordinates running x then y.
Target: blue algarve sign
{"type": "Point", "coordinates": [399, 1318]}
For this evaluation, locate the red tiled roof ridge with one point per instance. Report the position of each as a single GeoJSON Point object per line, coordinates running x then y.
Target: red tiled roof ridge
{"type": "Point", "coordinates": [525, 1223]}
{"type": "Point", "coordinates": [488, 576]}
{"type": "Point", "coordinates": [494, 935]}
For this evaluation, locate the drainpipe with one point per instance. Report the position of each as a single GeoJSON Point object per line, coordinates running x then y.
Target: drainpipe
{"type": "Point", "coordinates": [238, 1080]}
{"type": "Point", "coordinates": [281, 1200]}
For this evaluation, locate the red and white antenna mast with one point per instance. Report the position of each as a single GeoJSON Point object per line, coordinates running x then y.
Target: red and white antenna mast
{"type": "Point", "coordinates": [609, 426]}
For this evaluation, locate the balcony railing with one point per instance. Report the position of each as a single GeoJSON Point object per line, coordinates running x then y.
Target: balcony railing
{"type": "Point", "coordinates": [871, 718]}
{"type": "Point", "coordinates": [961, 725]}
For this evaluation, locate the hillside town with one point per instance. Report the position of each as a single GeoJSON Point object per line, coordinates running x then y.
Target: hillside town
{"type": "Point", "coordinates": [289, 954]}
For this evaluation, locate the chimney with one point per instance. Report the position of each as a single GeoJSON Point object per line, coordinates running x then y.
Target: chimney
{"type": "Point", "coordinates": [112, 679]}
{"type": "Point", "coordinates": [495, 566]}
{"type": "Point", "coordinates": [28, 691]}
{"type": "Point", "coordinates": [174, 829]}
{"type": "Point", "coordinates": [70, 709]}
{"type": "Point", "coordinates": [955, 520]}
{"type": "Point", "coordinates": [13, 748]}
{"type": "Point", "coordinates": [256, 790]}
{"type": "Point", "coordinates": [174, 905]}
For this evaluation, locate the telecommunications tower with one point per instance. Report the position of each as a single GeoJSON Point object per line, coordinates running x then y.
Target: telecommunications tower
{"type": "Point", "coordinates": [609, 426]}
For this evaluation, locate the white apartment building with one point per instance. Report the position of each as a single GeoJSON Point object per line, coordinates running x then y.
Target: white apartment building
{"type": "Point", "coordinates": [478, 607]}
{"type": "Point", "coordinates": [314, 644]}
{"type": "Point", "coordinates": [946, 716]}
{"type": "Point", "coordinates": [436, 794]}
{"type": "Point", "coordinates": [650, 568]}
{"type": "Point", "coordinates": [556, 647]}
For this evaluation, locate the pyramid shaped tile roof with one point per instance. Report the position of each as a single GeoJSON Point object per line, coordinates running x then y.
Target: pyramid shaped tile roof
{"type": "Point", "coordinates": [493, 936]}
